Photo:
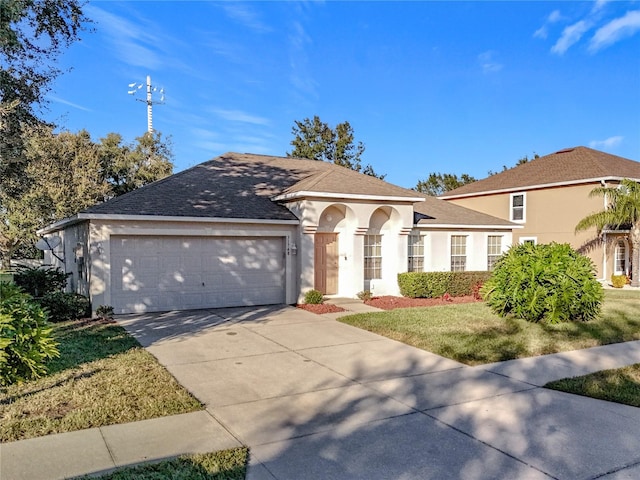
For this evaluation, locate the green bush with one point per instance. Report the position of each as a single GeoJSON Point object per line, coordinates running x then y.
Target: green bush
{"type": "Point", "coordinates": [365, 295]}
{"type": "Point", "coordinates": [37, 281]}
{"type": "Point", "coordinates": [25, 340]}
{"type": "Point", "coordinates": [104, 312]}
{"type": "Point", "coordinates": [436, 284]}
{"type": "Point", "coordinates": [618, 281]}
{"type": "Point", "coordinates": [313, 297]}
{"type": "Point", "coordinates": [551, 283]}
{"type": "Point", "coordinates": [63, 306]}
{"type": "Point", "coordinates": [8, 290]}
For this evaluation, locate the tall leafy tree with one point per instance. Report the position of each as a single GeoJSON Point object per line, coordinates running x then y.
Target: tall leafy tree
{"type": "Point", "coordinates": [32, 35]}
{"type": "Point", "coordinates": [316, 140]}
{"type": "Point", "coordinates": [623, 209]}
{"type": "Point", "coordinates": [439, 183]}
{"type": "Point", "coordinates": [68, 172]}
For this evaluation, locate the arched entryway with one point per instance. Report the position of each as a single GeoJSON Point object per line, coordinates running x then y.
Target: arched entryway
{"type": "Point", "coordinates": [326, 242]}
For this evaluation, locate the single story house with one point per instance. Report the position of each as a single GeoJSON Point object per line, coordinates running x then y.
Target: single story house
{"type": "Point", "coordinates": [245, 229]}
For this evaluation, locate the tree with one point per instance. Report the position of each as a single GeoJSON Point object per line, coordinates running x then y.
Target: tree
{"type": "Point", "coordinates": [316, 140]}
{"type": "Point", "coordinates": [127, 167]}
{"type": "Point", "coordinates": [520, 161]}
{"type": "Point", "coordinates": [68, 172]}
{"type": "Point", "coordinates": [32, 35]}
{"type": "Point", "coordinates": [438, 183]}
{"type": "Point", "coordinates": [623, 209]}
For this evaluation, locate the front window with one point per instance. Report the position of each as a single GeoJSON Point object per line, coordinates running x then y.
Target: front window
{"type": "Point", "coordinates": [517, 207]}
{"type": "Point", "coordinates": [494, 250]}
{"type": "Point", "coordinates": [416, 253]}
{"type": "Point", "coordinates": [458, 253]}
{"type": "Point", "coordinates": [372, 256]}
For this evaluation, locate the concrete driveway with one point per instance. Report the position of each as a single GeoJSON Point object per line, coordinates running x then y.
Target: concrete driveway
{"type": "Point", "coordinates": [317, 399]}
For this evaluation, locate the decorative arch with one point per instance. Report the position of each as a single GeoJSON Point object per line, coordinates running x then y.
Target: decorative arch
{"type": "Point", "coordinates": [335, 217]}
{"type": "Point", "coordinates": [384, 219]}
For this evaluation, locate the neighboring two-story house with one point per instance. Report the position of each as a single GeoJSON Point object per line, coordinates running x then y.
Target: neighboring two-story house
{"type": "Point", "coordinates": [549, 195]}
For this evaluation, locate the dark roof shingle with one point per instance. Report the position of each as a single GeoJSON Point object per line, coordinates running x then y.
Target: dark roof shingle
{"type": "Point", "coordinates": [565, 166]}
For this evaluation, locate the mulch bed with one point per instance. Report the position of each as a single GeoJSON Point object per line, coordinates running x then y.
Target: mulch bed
{"type": "Point", "coordinates": [320, 308]}
{"type": "Point", "coordinates": [389, 302]}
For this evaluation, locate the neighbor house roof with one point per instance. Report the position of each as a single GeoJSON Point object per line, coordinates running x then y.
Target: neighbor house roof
{"type": "Point", "coordinates": [436, 212]}
{"type": "Point", "coordinates": [243, 186]}
{"type": "Point", "coordinates": [569, 166]}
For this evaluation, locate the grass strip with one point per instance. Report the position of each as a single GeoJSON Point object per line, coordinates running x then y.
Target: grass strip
{"type": "Point", "coordinates": [102, 377]}
{"type": "Point", "coordinates": [472, 334]}
{"type": "Point", "coordinates": [620, 385]}
{"type": "Point", "coordinates": [223, 465]}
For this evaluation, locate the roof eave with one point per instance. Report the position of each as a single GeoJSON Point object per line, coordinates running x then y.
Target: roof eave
{"type": "Point", "coordinates": [462, 226]}
{"type": "Point", "coordinates": [344, 196]}
{"type": "Point", "coordinates": [534, 187]}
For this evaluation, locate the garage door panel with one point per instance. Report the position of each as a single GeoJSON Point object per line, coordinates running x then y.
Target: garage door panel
{"type": "Point", "coordinates": [167, 273]}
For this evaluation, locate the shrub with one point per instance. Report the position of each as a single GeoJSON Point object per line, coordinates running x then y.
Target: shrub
{"type": "Point", "coordinates": [436, 284]}
{"type": "Point", "coordinates": [618, 281]}
{"type": "Point", "coordinates": [551, 283]}
{"type": "Point", "coordinates": [25, 340]}
{"type": "Point", "coordinates": [37, 281]}
{"type": "Point", "coordinates": [365, 295]}
{"type": "Point", "coordinates": [313, 297]}
{"type": "Point", "coordinates": [8, 290]}
{"type": "Point", "coordinates": [63, 306]}
{"type": "Point", "coordinates": [104, 312]}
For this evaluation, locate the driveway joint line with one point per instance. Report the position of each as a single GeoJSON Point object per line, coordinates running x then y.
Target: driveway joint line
{"type": "Point", "coordinates": [106, 444]}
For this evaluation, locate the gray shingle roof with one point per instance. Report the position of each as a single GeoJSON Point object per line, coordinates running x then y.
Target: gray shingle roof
{"type": "Point", "coordinates": [242, 186]}
{"type": "Point", "coordinates": [434, 211]}
{"type": "Point", "coordinates": [237, 185]}
{"type": "Point", "coordinates": [565, 166]}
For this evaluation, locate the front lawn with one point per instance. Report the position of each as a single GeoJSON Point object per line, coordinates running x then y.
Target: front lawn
{"type": "Point", "coordinates": [620, 385]}
{"type": "Point", "coordinates": [102, 377]}
{"type": "Point", "coordinates": [472, 334]}
{"type": "Point", "coordinates": [223, 465]}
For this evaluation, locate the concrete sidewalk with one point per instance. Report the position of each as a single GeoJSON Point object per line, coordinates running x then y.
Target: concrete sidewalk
{"type": "Point", "coordinates": [317, 399]}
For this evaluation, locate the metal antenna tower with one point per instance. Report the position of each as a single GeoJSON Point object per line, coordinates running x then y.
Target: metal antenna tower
{"type": "Point", "coordinates": [135, 87]}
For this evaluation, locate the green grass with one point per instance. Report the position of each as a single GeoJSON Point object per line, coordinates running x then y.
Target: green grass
{"type": "Point", "coordinates": [472, 334]}
{"type": "Point", "coordinates": [620, 385]}
{"type": "Point", "coordinates": [102, 377]}
{"type": "Point", "coordinates": [223, 465]}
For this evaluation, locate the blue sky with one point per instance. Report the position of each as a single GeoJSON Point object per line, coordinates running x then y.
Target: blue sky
{"type": "Point", "coordinates": [457, 87]}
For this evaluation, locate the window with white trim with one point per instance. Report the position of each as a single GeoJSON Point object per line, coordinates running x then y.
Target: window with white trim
{"type": "Point", "coordinates": [517, 210]}
{"type": "Point", "coordinates": [458, 253]}
{"type": "Point", "coordinates": [620, 267]}
{"type": "Point", "coordinates": [494, 250]}
{"type": "Point", "coordinates": [533, 240]}
{"type": "Point", "coordinates": [372, 257]}
{"type": "Point", "coordinates": [416, 253]}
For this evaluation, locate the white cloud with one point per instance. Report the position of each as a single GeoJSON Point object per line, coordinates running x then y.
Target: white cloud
{"type": "Point", "coordinates": [241, 13]}
{"type": "Point", "coordinates": [615, 30]}
{"type": "Point", "coordinates": [598, 5]}
{"type": "Point", "coordinates": [610, 142]}
{"type": "Point", "coordinates": [53, 98]}
{"type": "Point", "coordinates": [570, 35]}
{"type": "Point", "coordinates": [488, 63]}
{"type": "Point", "coordinates": [543, 31]}
{"type": "Point", "coordinates": [241, 117]}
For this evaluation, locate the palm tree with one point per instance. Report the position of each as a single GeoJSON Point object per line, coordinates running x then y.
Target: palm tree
{"type": "Point", "coordinates": [623, 209]}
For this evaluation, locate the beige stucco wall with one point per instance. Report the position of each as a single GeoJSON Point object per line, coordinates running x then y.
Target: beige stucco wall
{"type": "Point", "coordinates": [100, 232]}
{"type": "Point", "coordinates": [551, 215]}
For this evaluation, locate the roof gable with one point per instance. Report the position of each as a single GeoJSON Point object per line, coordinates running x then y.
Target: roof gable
{"type": "Point", "coordinates": [569, 166]}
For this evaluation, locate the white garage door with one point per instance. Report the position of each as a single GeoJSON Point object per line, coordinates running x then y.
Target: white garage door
{"type": "Point", "coordinates": [180, 273]}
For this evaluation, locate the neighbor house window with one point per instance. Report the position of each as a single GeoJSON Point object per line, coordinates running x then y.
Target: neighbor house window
{"type": "Point", "coordinates": [518, 201]}
{"type": "Point", "coordinates": [620, 267]}
{"type": "Point", "coordinates": [372, 256]}
{"type": "Point", "coordinates": [416, 253]}
{"type": "Point", "coordinates": [458, 253]}
{"type": "Point", "coordinates": [494, 250]}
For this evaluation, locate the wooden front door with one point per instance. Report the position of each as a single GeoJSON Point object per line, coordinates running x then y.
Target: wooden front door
{"type": "Point", "coordinates": [326, 263]}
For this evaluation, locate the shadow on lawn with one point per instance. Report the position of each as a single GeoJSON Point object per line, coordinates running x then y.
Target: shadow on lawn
{"type": "Point", "coordinates": [85, 341]}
